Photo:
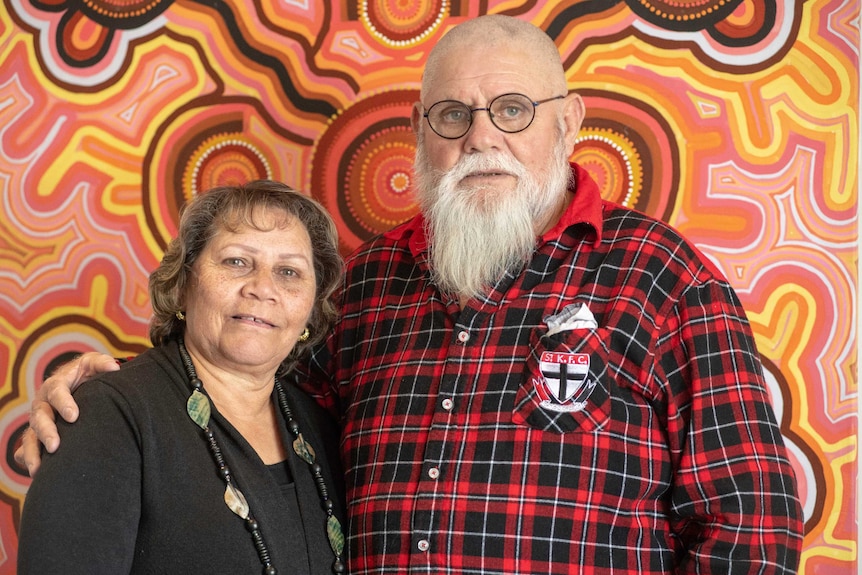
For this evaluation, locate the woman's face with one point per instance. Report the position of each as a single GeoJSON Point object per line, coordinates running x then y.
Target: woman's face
{"type": "Point", "coordinates": [251, 295]}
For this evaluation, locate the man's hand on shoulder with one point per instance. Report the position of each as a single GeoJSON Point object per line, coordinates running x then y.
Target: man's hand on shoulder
{"type": "Point", "coordinates": [55, 396]}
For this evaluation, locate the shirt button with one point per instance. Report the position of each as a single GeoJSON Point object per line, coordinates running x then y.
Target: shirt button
{"type": "Point", "coordinates": [448, 404]}
{"type": "Point", "coordinates": [463, 336]}
{"type": "Point", "coordinates": [434, 473]}
{"type": "Point", "coordinates": [423, 545]}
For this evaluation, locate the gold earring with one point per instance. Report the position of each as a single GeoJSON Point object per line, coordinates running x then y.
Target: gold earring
{"type": "Point", "coordinates": [180, 315]}
{"type": "Point", "coordinates": [304, 336]}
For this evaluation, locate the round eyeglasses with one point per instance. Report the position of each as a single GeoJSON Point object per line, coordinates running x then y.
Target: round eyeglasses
{"type": "Point", "coordinates": [509, 113]}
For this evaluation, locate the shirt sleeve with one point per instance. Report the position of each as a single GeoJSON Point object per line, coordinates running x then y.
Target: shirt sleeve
{"type": "Point", "coordinates": [734, 506]}
{"type": "Point", "coordinates": [82, 510]}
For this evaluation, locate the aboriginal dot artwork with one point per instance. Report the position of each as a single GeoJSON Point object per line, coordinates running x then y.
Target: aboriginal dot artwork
{"type": "Point", "coordinates": [736, 121]}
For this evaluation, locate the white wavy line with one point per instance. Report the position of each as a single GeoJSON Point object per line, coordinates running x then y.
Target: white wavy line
{"type": "Point", "coordinates": [778, 407]}
{"type": "Point", "coordinates": [85, 76]}
{"type": "Point", "coordinates": [740, 57]}
{"type": "Point", "coordinates": [845, 7]}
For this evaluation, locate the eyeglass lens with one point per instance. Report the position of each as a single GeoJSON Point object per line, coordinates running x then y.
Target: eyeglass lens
{"type": "Point", "coordinates": [509, 113]}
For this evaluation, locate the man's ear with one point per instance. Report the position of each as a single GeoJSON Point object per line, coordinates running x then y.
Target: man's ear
{"type": "Point", "coordinates": [416, 117]}
{"type": "Point", "coordinates": [573, 116]}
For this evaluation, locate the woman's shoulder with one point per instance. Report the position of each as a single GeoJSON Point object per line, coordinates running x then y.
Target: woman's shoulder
{"type": "Point", "coordinates": [149, 374]}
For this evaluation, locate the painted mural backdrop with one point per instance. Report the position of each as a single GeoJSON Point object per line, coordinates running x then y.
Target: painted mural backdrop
{"type": "Point", "coordinates": [734, 120]}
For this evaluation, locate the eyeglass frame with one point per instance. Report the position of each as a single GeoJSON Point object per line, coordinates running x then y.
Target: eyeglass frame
{"type": "Point", "coordinates": [487, 108]}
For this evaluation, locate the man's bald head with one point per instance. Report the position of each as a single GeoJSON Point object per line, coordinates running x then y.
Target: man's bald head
{"type": "Point", "coordinates": [493, 30]}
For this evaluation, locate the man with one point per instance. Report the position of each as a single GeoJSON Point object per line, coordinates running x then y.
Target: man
{"type": "Point", "coordinates": [532, 380]}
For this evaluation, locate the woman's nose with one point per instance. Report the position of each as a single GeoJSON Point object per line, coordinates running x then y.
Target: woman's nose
{"type": "Point", "coordinates": [260, 283]}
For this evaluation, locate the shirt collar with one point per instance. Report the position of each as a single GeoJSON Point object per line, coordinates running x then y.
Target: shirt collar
{"type": "Point", "coordinates": [585, 208]}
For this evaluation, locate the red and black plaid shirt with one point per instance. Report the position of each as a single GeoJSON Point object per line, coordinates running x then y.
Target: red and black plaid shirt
{"type": "Point", "coordinates": [474, 442]}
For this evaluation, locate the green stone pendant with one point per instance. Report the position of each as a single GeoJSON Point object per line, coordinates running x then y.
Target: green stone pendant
{"type": "Point", "coordinates": [303, 449]}
{"type": "Point", "coordinates": [335, 535]}
{"type": "Point", "coordinates": [198, 408]}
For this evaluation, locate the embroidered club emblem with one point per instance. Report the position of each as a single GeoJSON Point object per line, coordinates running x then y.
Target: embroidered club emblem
{"type": "Point", "coordinates": [565, 377]}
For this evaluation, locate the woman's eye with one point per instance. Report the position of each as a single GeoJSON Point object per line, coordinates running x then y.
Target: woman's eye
{"type": "Point", "coordinates": [234, 262]}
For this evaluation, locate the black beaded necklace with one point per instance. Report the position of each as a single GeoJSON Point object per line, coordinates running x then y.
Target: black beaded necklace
{"type": "Point", "coordinates": [198, 407]}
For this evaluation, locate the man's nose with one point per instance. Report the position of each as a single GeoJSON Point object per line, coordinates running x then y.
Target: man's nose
{"type": "Point", "coordinates": [483, 134]}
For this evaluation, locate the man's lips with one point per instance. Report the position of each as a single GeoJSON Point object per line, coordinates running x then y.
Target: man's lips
{"type": "Point", "coordinates": [254, 319]}
{"type": "Point", "coordinates": [488, 174]}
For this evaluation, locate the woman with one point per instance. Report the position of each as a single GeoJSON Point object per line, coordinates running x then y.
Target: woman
{"type": "Point", "coordinates": [198, 456]}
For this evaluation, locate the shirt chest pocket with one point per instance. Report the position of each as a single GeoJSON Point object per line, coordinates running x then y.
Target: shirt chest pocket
{"type": "Point", "coordinates": [566, 384]}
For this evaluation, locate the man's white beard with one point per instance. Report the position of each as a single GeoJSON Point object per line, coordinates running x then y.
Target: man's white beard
{"type": "Point", "coordinates": [477, 234]}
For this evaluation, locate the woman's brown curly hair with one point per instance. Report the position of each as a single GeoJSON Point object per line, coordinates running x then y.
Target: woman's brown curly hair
{"type": "Point", "coordinates": [226, 209]}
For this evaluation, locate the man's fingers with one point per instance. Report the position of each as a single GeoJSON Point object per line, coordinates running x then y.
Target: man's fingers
{"type": "Point", "coordinates": [93, 363]}
{"type": "Point", "coordinates": [57, 389]}
{"type": "Point", "coordinates": [58, 396]}
{"type": "Point", "coordinates": [27, 455]}
{"type": "Point", "coordinates": [55, 393]}
{"type": "Point", "coordinates": [43, 426]}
